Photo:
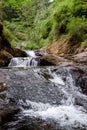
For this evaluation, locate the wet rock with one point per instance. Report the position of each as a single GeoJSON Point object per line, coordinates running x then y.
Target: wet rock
{"type": "Point", "coordinates": [81, 58]}
{"type": "Point", "coordinates": [6, 112]}
{"type": "Point", "coordinates": [50, 59]}
{"type": "Point", "coordinates": [82, 81]}
{"type": "Point", "coordinates": [3, 87]}
{"type": "Point", "coordinates": [18, 52]}
{"type": "Point", "coordinates": [3, 84]}
{"type": "Point", "coordinates": [40, 52]}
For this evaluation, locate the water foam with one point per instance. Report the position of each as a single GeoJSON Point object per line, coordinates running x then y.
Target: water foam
{"type": "Point", "coordinates": [65, 115]}
{"type": "Point", "coordinates": [31, 53]}
{"type": "Point", "coordinates": [57, 80]}
{"type": "Point", "coordinates": [23, 62]}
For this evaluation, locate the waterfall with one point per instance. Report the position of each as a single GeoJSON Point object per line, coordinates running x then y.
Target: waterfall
{"type": "Point", "coordinates": [67, 114]}
{"type": "Point", "coordinates": [47, 94]}
{"type": "Point", "coordinates": [50, 94]}
{"type": "Point", "coordinates": [64, 115]}
{"type": "Point", "coordinates": [31, 60]}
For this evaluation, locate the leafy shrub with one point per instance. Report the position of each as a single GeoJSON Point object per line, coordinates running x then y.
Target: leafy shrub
{"type": "Point", "coordinates": [8, 34]}
{"type": "Point", "coordinates": [42, 24]}
{"type": "Point", "coordinates": [47, 28]}
{"type": "Point", "coordinates": [80, 10]}
{"type": "Point", "coordinates": [31, 46]}
{"type": "Point", "coordinates": [77, 29]}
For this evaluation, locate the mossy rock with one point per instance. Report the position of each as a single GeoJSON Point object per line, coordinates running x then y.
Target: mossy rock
{"type": "Point", "coordinates": [19, 53]}
{"type": "Point", "coordinates": [5, 58]}
{"type": "Point", "coordinates": [15, 52]}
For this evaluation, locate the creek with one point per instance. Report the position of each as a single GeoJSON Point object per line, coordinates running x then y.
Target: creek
{"type": "Point", "coordinates": [49, 97]}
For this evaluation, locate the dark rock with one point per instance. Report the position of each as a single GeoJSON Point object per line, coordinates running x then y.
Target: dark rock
{"type": "Point", "coordinates": [3, 87]}
{"type": "Point", "coordinates": [15, 52]}
{"type": "Point", "coordinates": [6, 109]}
{"type": "Point", "coordinates": [19, 53]}
{"type": "Point", "coordinates": [49, 59]}
{"type": "Point", "coordinates": [7, 112]}
{"type": "Point", "coordinates": [40, 52]}
{"type": "Point", "coordinates": [5, 58]}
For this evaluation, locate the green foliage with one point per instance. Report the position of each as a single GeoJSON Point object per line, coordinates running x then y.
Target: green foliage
{"type": "Point", "coordinates": [77, 29]}
{"type": "Point", "coordinates": [17, 4]}
{"type": "Point", "coordinates": [84, 43]}
{"type": "Point", "coordinates": [24, 20]}
{"type": "Point", "coordinates": [69, 19]}
{"type": "Point", "coordinates": [31, 46]}
{"type": "Point", "coordinates": [9, 36]}
{"type": "Point", "coordinates": [40, 22]}
{"type": "Point", "coordinates": [80, 8]}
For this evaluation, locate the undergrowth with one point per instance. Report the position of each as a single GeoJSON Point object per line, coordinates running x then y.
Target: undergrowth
{"type": "Point", "coordinates": [62, 18]}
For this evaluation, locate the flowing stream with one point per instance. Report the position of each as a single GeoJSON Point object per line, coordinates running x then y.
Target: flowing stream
{"type": "Point", "coordinates": [31, 60]}
{"type": "Point", "coordinates": [50, 98]}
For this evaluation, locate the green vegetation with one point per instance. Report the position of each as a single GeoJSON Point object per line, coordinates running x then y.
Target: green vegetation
{"type": "Point", "coordinates": [9, 36]}
{"type": "Point", "coordinates": [40, 22]}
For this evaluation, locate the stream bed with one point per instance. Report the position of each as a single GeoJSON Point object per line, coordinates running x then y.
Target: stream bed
{"type": "Point", "coordinates": [49, 98]}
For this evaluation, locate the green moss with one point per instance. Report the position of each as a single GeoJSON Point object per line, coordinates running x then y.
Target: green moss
{"type": "Point", "coordinates": [5, 58]}
{"type": "Point", "coordinates": [8, 34]}
{"type": "Point", "coordinates": [84, 43]}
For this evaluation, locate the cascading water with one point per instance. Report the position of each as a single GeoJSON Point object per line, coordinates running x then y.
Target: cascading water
{"type": "Point", "coordinates": [31, 60]}
{"type": "Point", "coordinates": [49, 99]}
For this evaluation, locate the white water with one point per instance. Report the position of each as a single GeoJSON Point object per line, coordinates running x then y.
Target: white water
{"type": "Point", "coordinates": [31, 60]}
{"type": "Point", "coordinates": [31, 53]}
{"type": "Point", "coordinates": [65, 115]}
{"type": "Point", "coordinates": [23, 62]}
{"type": "Point", "coordinates": [68, 114]}
{"type": "Point", "coordinates": [57, 80]}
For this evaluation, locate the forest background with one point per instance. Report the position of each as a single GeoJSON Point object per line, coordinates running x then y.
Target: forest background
{"type": "Point", "coordinates": [32, 24]}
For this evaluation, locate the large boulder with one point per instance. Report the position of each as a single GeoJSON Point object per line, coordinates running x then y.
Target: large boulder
{"type": "Point", "coordinates": [15, 52]}
{"type": "Point", "coordinates": [50, 59]}
{"type": "Point", "coordinates": [6, 109]}
{"type": "Point", "coordinates": [80, 58]}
